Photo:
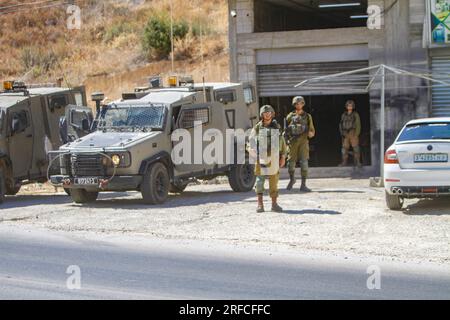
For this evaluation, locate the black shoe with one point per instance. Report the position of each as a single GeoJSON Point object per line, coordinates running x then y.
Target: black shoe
{"type": "Point", "coordinates": [277, 208]}
{"type": "Point", "coordinates": [291, 182]}
{"type": "Point", "coordinates": [304, 188]}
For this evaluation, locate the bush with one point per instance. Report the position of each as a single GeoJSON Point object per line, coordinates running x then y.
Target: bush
{"type": "Point", "coordinates": [156, 38]}
{"type": "Point", "coordinates": [117, 30]}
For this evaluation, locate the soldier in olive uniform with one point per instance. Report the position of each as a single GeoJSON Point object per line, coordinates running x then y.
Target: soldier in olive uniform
{"type": "Point", "coordinates": [300, 128]}
{"type": "Point", "coordinates": [262, 149]}
{"type": "Point", "coordinates": [350, 128]}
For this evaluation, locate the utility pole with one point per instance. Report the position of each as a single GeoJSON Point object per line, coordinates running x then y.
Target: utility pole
{"type": "Point", "coordinates": [382, 121]}
{"type": "Point", "coordinates": [171, 36]}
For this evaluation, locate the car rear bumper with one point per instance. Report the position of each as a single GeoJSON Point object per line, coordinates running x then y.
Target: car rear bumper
{"type": "Point", "coordinates": [118, 183]}
{"type": "Point", "coordinates": [413, 183]}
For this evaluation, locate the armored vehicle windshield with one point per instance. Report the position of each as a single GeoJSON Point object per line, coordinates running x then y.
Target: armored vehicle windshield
{"type": "Point", "coordinates": [145, 117]}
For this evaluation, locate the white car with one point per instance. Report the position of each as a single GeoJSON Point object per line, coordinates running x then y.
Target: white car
{"type": "Point", "coordinates": [417, 164]}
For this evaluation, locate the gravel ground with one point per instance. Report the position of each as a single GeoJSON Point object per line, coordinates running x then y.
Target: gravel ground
{"type": "Point", "coordinates": [342, 217]}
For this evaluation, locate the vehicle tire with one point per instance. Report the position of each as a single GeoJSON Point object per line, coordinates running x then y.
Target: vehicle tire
{"type": "Point", "coordinates": [156, 184]}
{"type": "Point", "coordinates": [82, 196]}
{"type": "Point", "coordinates": [2, 187]}
{"type": "Point", "coordinates": [177, 187]}
{"type": "Point", "coordinates": [394, 202]}
{"type": "Point", "coordinates": [67, 191]}
{"type": "Point", "coordinates": [13, 190]}
{"type": "Point", "coordinates": [242, 178]}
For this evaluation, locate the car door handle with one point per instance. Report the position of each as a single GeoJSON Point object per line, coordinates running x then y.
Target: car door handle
{"type": "Point", "coordinates": [29, 136]}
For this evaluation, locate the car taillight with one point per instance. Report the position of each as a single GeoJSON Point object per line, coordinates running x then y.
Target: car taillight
{"type": "Point", "coordinates": [391, 157]}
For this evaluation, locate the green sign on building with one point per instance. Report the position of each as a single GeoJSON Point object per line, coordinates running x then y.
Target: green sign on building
{"type": "Point", "coordinates": [440, 21]}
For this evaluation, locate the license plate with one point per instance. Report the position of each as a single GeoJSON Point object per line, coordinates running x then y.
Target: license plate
{"type": "Point", "coordinates": [431, 157]}
{"type": "Point", "coordinates": [86, 181]}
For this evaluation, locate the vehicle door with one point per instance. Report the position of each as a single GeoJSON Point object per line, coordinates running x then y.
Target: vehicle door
{"type": "Point", "coordinates": [20, 139]}
{"type": "Point", "coordinates": [189, 116]}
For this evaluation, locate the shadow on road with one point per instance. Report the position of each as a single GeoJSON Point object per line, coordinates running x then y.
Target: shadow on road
{"type": "Point", "coordinates": [429, 207]}
{"type": "Point", "coordinates": [186, 199]}
{"type": "Point", "coordinates": [22, 201]}
{"type": "Point", "coordinates": [312, 211]}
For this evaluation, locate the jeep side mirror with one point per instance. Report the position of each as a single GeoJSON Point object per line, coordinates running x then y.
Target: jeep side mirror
{"type": "Point", "coordinates": [85, 125]}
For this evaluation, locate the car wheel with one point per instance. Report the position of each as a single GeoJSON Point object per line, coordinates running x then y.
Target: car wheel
{"type": "Point", "coordinates": [2, 187]}
{"type": "Point", "coordinates": [156, 184]}
{"type": "Point", "coordinates": [177, 187]}
{"type": "Point", "coordinates": [13, 190]}
{"type": "Point", "coordinates": [82, 196]}
{"type": "Point", "coordinates": [242, 178]}
{"type": "Point", "coordinates": [394, 202]}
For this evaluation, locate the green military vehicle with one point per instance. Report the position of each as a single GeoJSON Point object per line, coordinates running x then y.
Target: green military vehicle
{"type": "Point", "coordinates": [131, 149]}
{"type": "Point", "coordinates": [30, 121]}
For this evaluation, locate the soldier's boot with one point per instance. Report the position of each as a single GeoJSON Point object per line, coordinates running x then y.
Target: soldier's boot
{"type": "Point", "coordinates": [304, 188]}
{"type": "Point", "coordinates": [260, 208]}
{"type": "Point", "coordinates": [275, 206]}
{"type": "Point", "coordinates": [291, 182]}
{"type": "Point", "coordinates": [344, 161]}
{"type": "Point", "coordinates": [358, 160]}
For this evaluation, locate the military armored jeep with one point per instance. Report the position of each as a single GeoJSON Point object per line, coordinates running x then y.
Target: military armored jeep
{"type": "Point", "coordinates": [30, 128]}
{"type": "Point", "coordinates": [131, 149]}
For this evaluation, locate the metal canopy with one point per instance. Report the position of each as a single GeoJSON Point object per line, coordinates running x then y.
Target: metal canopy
{"type": "Point", "coordinates": [380, 72]}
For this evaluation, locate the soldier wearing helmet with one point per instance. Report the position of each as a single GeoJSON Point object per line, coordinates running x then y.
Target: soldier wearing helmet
{"type": "Point", "coordinates": [350, 128]}
{"type": "Point", "coordinates": [268, 156]}
{"type": "Point", "coordinates": [300, 128]}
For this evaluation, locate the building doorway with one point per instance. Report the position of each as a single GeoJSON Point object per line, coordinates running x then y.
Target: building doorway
{"type": "Point", "coordinates": [326, 111]}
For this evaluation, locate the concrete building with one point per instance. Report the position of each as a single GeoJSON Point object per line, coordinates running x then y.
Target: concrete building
{"type": "Point", "coordinates": [276, 44]}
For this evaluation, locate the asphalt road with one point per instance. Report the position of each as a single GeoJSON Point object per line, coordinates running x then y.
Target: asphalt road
{"type": "Point", "coordinates": [33, 265]}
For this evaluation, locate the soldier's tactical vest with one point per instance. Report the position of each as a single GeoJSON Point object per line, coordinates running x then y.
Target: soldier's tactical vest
{"type": "Point", "coordinates": [299, 125]}
{"type": "Point", "coordinates": [264, 140]}
{"type": "Point", "coordinates": [348, 121]}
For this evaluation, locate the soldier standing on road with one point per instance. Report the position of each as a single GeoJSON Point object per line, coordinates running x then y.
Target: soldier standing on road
{"type": "Point", "coordinates": [300, 128]}
{"type": "Point", "coordinates": [262, 149]}
{"type": "Point", "coordinates": [350, 128]}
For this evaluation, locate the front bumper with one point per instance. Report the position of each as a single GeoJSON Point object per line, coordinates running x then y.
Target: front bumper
{"type": "Point", "coordinates": [118, 183]}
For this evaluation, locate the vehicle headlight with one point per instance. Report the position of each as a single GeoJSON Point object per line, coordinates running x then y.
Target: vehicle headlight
{"type": "Point", "coordinates": [119, 159]}
{"type": "Point", "coordinates": [116, 160]}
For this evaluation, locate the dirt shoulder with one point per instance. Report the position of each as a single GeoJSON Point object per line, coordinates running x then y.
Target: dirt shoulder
{"type": "Point", "coordinates": [341, 217]}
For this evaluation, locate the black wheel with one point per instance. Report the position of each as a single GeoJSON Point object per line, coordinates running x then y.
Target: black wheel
{"type": "Point", "coordinates": [2, 187]}
{"type": "Point", "coordinates": [242, 178]}
{"type": "Point", "coordinates": [177, 187]}
{"type": "Point", "coordinates": [83, 196]}
{"type": "Point", "coordinates": [156, 184]}
{"type": "Point", "coordinates": [394, 202]}
{"type": "Point", "coordinates": [14, 189]}
{"type": "Point", "coordinates": [67, 191]}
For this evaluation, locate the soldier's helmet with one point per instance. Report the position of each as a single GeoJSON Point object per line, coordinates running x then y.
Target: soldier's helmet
{"type": "Point", "coordinates": [266, 108]}
{"type": "Point", "coordinates": [352, 103]}
{"type": "Point", "coordinates": [298, 99]}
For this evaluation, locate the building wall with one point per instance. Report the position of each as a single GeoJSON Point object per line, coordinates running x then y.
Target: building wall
{"type": "Point", "coordinates": [399, 43]}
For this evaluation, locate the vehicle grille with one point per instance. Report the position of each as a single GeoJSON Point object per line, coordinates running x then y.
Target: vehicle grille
{"type": "Point", "coordinates": [83, 165]}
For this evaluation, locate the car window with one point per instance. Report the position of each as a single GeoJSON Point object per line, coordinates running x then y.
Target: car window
{"type": "Point", "coordinates": [78, 99]}
{"type": "Point", "coordinates": [2, 117]}
{"type": "Point", "coordinates": [57, 102]}
{"type": "Point", "coordinates": [226, 96]}
{"type": "Point", "coordinates": [19, 121]}
{"type": "Point", "coordinates": [190, 116]}
{"type": "Point", "coordinates": [425, 131]}
{"type": "Point", "coordinates": [248, 95]}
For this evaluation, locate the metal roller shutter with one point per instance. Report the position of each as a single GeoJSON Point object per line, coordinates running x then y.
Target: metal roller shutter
{"type": "Point", "coordinates": [441, 95]}
{"type": "Point", "coordinates": [279, 80]}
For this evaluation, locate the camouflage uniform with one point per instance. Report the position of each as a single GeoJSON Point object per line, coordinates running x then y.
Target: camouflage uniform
{"type": "Point", "coordinates": [350, 128]}
{"type": "Point", "coordinates": [265, 163]}
{"type": "Point", "coordinates": [299, 126]}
